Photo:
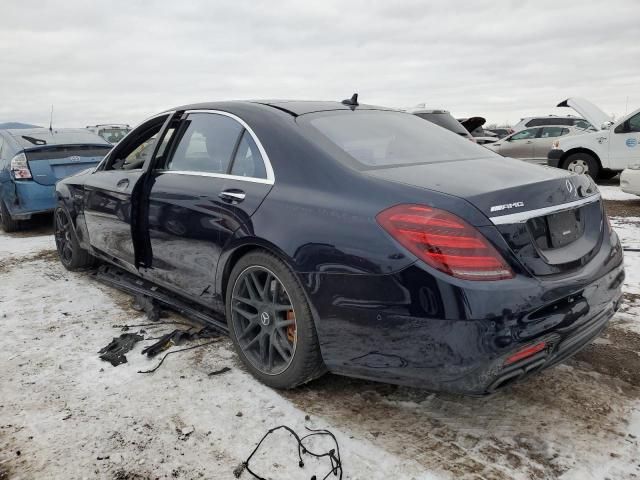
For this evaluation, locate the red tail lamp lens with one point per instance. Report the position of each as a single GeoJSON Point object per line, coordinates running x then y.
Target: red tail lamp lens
{"type": "Point", "coordinates": [525, 352]}
{"type": "Point", "coordinates": [444, 241]}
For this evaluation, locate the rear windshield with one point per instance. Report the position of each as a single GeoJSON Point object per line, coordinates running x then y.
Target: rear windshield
{"type": "Point", "coordinates": [445, 120]}
{"type": "Point", "coordinates": [379, 139]}
{"type": "Point", "coordinates": [42, 137]}
{"type": "Point", "coordinates": [60, 151]}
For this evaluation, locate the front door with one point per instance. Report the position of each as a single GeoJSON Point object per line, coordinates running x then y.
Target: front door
{"type": "Point", "coordinates": [519, 145]}
{"type": "Point", "coordinates": [624, 143]}
{"type": "Point", "coordinates": [210, 184]}
{"type": "Point", "coordinates": [108, 194]}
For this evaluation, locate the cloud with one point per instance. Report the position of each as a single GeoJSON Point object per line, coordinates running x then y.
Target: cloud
{"type": "Point", "coordinates": [121, 61]}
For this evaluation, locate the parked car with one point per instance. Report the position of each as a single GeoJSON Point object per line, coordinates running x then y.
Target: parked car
{"type": "Point", "coordinates": [443, 119]}
{"type": "Point", "coordinates": [474, 127]}
{"type": "Point", "coordinates": [501, 132]}
{"type": "Point", "coordinates": [630, 179]}
{"type": "Point", "coordinates": [350, 238]}
{"type": "Point", "coordinates": [601, 153]}
{"type": "Point", "coordinates": [33, 160]}
{"type": "Point", "coordinates": [532, 144]}
{"type": "Point", "coordinates": [112, 133]}
{"type": "Point", "coordinates": [547, 120]}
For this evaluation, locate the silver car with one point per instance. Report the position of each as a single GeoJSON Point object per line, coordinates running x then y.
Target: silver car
{"type": "Point", "coordinates": [532, 144]}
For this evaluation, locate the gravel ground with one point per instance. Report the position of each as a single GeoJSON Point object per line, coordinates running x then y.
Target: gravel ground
{"type": "Point", "coordinates": [64, 413]}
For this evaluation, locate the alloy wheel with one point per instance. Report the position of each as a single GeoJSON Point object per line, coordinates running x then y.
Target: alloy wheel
{"type": "Point", "coordinates": [263, 320]}
{"type": "Point", "coordinates": [578, 166]}
{"type": "Point", "coordinates": [63, 237]}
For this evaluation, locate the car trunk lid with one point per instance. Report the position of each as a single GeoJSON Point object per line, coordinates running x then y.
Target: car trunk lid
{"type": "Point", "coordinates": [551, 221]}
{"type": "Point", "coordinates": [49, 164]}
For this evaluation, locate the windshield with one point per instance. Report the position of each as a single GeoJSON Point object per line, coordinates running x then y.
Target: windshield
{"type": "Point", "coordinates": [113, 135]}
{"type": "Point", "coordinates": [378, 139]}
{"type": "Point", "coordinates": [32, 138]}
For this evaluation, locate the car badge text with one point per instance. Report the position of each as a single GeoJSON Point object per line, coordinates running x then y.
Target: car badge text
{"type": "Point", "coordinates": [507, 206]}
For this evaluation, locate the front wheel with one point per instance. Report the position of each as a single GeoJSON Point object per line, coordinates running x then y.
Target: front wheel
{"type": "Point", "coordinates": [72, 255]}
{"type": "Point", "coordinates": [270, 322]}
{"type": "Point", "coordinates": [582, 163]}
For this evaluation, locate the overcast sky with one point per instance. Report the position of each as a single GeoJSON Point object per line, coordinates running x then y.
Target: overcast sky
{"type": "Point", "coordinates": [121, 61]}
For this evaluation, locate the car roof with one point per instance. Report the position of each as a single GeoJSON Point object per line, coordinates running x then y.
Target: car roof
{"type": "Point", "coordinates": [293, 107]}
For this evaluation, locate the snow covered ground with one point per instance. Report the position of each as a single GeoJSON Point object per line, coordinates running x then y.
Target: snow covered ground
{"type": "Point", "coordinates": [66, 414]}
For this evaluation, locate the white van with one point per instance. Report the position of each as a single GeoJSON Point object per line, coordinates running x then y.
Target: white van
{"type": "Point", "coordinates": [611, 148]}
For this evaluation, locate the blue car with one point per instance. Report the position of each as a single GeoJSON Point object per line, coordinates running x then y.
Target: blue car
{"type": "Point", "coordinates": [32, 160]}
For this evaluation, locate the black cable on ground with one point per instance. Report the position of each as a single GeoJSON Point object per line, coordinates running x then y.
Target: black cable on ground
{"type": "Point", "coordinates": [154, 323]}
{"type": "Point", "coordinates": [177, 351]}
{"type": "Point", "coordinates": [333, 455]}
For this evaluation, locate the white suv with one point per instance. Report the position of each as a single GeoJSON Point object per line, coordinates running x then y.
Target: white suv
{"type": "Point", "coordinates": [611, 148]}
{"type": "Point", "coordinates": [567, 120]}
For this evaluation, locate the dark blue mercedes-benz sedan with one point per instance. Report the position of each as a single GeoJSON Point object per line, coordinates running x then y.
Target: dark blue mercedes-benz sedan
{"type": "Point", "coordinates": [327, 236]}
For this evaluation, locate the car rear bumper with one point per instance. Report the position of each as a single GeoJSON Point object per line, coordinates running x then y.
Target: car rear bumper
{"type": "Point", "coordinates": [554, 156]}
{"type": "Point", "coordinates": [413, 329]}
{"type": "Point", "coordinates": [26, 198]}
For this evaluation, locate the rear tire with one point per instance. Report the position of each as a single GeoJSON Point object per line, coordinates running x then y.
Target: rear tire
{"type": "Point", "coordinates": [72, 255]}
{"type": "Point", "coordinates": [270, 322]}
{"type": "Point", "coordinates": [582, 163]}
{"type": "Point", "coordinates": [7, 223]}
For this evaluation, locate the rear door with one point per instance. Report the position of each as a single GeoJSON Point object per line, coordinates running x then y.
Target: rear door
{"type": "Point", "coordinates": [520, 145]}
{"type": "Point", "coordinates": [543, 142]}
{"type": "Point", "coordinates": [212, 181]}
{"type": "Point", "coordinates": [108, 193]}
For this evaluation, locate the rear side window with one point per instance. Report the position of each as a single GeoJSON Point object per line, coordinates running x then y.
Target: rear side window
{"type": "Point", "coordinates": [378, 139]}
{"type": "Point", "coordinates": [537, 122]}
{"type": "Point", "coordinates": [548, 132]}
{"type": "Point", "coordinates": [247, 161]}
{"type": "Point", "coordinates": [207, 143]}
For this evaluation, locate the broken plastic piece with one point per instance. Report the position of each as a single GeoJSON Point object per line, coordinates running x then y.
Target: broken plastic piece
{"type": "Point", "coordinates": [114, 353]}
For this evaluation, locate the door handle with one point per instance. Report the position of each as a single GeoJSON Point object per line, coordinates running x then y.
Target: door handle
{"type": "Point", "coordinates": [122, 184]}
{"type": "Point", "coordinates": [232, 196]}
{"type": "Point", "coordinates": [529, 141]}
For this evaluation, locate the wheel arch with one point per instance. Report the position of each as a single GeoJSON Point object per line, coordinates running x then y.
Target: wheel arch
{"type": "Point", "coordinates": [571, 151]}
{"type": "Point", "coordinates": [233, 254]}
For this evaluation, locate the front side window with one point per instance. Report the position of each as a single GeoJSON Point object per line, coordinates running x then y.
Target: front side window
{"type": "Point", "coordinates": [138, 148]}
{"type": "Point", "coordinates": [207, 143]}
{"type": "Point", "coordinates": [634, 123]}
{"type": "Point", "coordinates": [525, 134]}
{"type": "Point", "coordinates": [379, 139]}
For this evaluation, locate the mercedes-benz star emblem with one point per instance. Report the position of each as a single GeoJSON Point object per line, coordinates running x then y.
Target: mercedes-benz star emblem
{"type": "Point", "coordinates": [264, 318]}
{"type": "Point", "coordinates": [570, 186]}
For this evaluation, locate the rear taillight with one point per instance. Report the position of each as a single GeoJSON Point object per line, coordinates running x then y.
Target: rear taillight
{"type": "Point", "coordinates": [444, 241]}
{"type": "Point", "coordinates": [20, 167]}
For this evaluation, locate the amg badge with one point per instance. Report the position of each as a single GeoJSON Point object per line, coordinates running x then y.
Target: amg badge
{"type": "Point", "coordinates": [507, 206]}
